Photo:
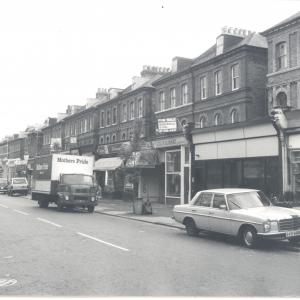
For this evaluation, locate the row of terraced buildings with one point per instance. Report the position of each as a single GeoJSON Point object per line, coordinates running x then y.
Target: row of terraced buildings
{"type": "Point", "coordinates": [228, 118]}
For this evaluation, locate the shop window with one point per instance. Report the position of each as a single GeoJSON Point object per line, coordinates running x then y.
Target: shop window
{"type": "Point", "coordinates": [254, 173]}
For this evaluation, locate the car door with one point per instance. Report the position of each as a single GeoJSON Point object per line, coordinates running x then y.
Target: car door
{"type": "Point", "coordinates": [219, 220]}
{"type": "Point", "coordinates": [201, 209]}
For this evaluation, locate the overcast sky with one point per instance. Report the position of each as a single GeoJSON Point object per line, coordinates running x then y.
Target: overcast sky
{"type": "Point", "coordinates": [59, 52]}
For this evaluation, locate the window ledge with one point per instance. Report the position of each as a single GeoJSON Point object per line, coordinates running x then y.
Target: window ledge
{"type": "Point", "coordinates": [173, 108]}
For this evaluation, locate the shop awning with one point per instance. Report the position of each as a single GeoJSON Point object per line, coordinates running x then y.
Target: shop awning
{"type": "Point", "coordinates": [108, 164]}
{"type": "Point", "coordinates": [143, 159]}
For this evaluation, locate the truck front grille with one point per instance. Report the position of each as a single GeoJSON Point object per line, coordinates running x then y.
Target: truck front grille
{"type": "Point", "coordinates": [86, 198]}
{"type": "Point", "coordinates": [84, 191]}
{"type": "Point", "coordinates": [289, 224]}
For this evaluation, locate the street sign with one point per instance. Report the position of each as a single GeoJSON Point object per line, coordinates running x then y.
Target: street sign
{"type": "Point", "coordinates": [167, 125]}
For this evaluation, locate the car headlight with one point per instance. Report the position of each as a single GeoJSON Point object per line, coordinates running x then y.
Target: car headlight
{"type": "Point", "coordinates": [67, 197]}
{"type": "Point", "coordinates": [270, 226]}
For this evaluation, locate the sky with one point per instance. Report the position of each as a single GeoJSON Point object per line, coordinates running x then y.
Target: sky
{"type": "Point", "coordinates": [55, 53]}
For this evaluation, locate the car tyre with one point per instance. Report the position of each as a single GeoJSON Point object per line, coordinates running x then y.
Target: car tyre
{"type": "Point", "coordinates": [91, 208]}
{"type": "Point", "coordinates": [190, 227]}
{"type": "Point", "coordinates": [249, 237]}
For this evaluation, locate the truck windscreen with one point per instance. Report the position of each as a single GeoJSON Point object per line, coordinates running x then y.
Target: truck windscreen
{"type": "Point", "coordinates": [77, 179]}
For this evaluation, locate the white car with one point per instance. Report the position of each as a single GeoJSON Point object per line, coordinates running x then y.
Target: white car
{"type": "Point", "coordinates": [245, 213]}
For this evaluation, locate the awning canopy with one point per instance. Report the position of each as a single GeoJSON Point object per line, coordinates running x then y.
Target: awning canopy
{"type": "Point", "coordinates": [108, 164]}
{"type": "Point", "coordinates": [143, 159]}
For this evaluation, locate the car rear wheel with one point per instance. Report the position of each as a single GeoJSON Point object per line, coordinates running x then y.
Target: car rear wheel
{"type": "Point", "coordinates": [190, 227]}
{"type": "Point", "coordinates": [91, 208]}
{"type": "Point", "coordinates": [249, 237]}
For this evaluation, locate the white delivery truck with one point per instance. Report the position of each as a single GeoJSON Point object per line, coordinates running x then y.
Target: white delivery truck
{"type": "Point", "coordinates": [66, 180]}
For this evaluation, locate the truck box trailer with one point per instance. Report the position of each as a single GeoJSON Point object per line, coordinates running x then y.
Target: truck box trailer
{"type": "Point", "coordinates": [66, 180]}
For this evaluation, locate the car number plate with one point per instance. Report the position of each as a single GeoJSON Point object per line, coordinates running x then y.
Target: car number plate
{"type": "Point", "coordinates": [292, 233]}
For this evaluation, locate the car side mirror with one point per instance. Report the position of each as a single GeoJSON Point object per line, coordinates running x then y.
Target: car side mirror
{"type": "Point", "coordinates": [223, 206]}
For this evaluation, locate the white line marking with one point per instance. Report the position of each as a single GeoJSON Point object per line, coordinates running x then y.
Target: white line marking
{"type": "Point", "coordinates": [21, 212]}
{"type": "Point", "coordinates": [49, 222]}
{"type": "Point", "coordinates": [106, 243]}
{"type": "Point", "coordinates": [3, 206]}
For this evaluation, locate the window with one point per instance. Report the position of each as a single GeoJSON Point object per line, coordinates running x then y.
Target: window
{"type": "Point", "coordinates": [85, 125]}
{"type": "Point", "coordinates": [183, 123]}
{"type": "Point", "coordinates": [218, 119]}
{"type": "Point", "coordinates": [203, 87]}
{"type": "Point", "coordinates": [204, 199]}
{"type": "Point", "coordinates": [184, 94]}
{"type": "Point", "coordinates": [161, 101]}
{"type": "Point", "coordinates": [140, 108]}
{"type": "Point", "coordinates": [107, 139]}
{"type": "Point", "coordinates": [124, 115]}
{"type": "Point", "coordinates": [235, 80]}
{"type": "Point", "coordinates": [173, 97]}
{"type": "Point", "coordinates": [234, 116]}
{"type": "Point", "coordinates": [102, 119]}
{"type": "Point", "coordinates": [218, 83]}
{"type": "Point", "coordinates": [173, 168]}
{"type": "Point", "coordinates": [281, 99]}
{"type": "Point", "coordinates": [102, 140]}
{"type": "Point", "coordinates": [131, 111]}
{"type": "Point", "coordinates": [219, 200]}
{"type": "Point", "coordinates": [114, 115]}
{"type": "Point", "coordinates": [203, 122]}
{"type": "Point", "coordinates": [108, 117]}
{"type": "Point", "coordinates": [124, 136]}
{"type": "Point", "coordinates": [281, 55]}
{"type": "Point", "coordinates": [113, 138]}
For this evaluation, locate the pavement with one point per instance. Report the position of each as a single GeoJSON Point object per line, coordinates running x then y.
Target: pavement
{"type": "Point", "coordinates": [161, 213]}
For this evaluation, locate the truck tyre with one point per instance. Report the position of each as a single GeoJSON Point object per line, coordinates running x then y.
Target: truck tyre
{"type": "Point", "coordinates": [43, 203]}
{"type": "Point", "coordinates": [91, 208]}
{"type": "Point", "coordinates": [59, 206]}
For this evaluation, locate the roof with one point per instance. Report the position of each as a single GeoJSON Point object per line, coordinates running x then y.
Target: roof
{"type": "Point", "coordinates": [253, 39]}
{"type": "Point", "coordinates": [229, 190]}
{"type": "Point", "coordinates": [283, 23]}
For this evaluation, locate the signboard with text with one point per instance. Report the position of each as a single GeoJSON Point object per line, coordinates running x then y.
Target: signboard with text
{"type": "Point", "coordinates": [167, 125]}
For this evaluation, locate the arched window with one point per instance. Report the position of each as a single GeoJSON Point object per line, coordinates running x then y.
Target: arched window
{"type": "Point", "coordinates": [113, 138]}
{"type": "Point", "coordinates": [203, 122]}
{"type": "Point", "coordinates": [218, 119]}
{"type": "Point", "coordinates": [107, 139]}
{"type": "Point", "coordinates": [234, 116]}
{"type": "Point", "coordinates": [281, 99]}
{"type": "Point", "coordinates": [124, 136]}
{"type": "Point", "coordinates": [101, 140]}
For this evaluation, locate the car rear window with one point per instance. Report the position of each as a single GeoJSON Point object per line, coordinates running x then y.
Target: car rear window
{"type": "Point", "coordinates": [204, 199]}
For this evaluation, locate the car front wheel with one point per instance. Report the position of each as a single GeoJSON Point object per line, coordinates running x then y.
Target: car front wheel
{"type": "Point", "coordinates": [190, 227]}
{"type": "Point", "coordinates": [249, 237]}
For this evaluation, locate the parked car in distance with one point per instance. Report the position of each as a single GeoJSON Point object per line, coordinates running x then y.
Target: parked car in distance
{"type": "Point", "coordinates": [18, 185]}
{"type": "Point", "coordinates": [3, 185]}
{"type": "Point", "coordinates": [245, 213]}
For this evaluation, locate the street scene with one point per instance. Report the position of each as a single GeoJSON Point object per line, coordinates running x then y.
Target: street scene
{"type": "Point", "coordinates": [51, 253]}
{"type": "Point", "coordinates": [179, 177]}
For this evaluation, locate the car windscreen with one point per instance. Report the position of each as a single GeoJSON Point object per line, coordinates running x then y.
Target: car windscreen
{"type": "Point", "coordinates": [19, 181]}
{"type": "Point", "coordinates": [247, 200]}
{"type": "Point", "coordinates": [77, 179]}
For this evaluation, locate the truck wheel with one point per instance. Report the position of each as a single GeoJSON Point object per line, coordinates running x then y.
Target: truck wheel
{"type": "Point", "coordinates": [91, 208]}
{"type": "Point", "coordinates": [59, 206]}
{"type": "Point", "coordinates": [43, 203]}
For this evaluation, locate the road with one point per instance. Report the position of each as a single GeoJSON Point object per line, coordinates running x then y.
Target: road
{"type": "Point", "coordinates": [44, 252]}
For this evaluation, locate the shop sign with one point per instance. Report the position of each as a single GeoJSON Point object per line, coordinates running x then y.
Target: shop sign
{"type": "Point", "coordinates": [167, 125]}
{"type": "Point", "coordinates": [176, 141]}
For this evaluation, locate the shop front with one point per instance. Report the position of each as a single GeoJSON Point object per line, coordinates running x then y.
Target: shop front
{"type": "Point", "coordinates": [174, 172]}
{"type": "Point", "coordinates": [294, 165]}
{"type": "Point", "coordinates": [245, 157]}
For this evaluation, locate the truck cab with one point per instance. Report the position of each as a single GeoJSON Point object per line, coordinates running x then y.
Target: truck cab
{"type": "Point", "coordinates": [76, 190]}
